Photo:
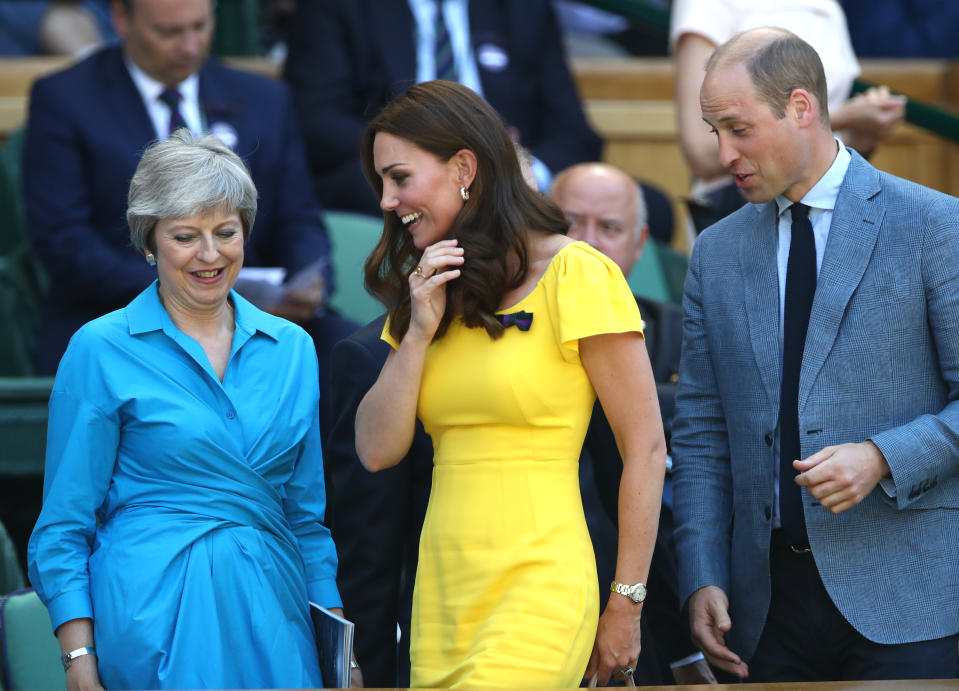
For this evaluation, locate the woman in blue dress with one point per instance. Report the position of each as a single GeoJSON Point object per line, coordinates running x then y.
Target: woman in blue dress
{"type": "Point", "coordinates": [181, 535]}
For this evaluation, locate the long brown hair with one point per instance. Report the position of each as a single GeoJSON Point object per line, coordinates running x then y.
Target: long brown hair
{"type": "Point", "coordinates": [443, 118]}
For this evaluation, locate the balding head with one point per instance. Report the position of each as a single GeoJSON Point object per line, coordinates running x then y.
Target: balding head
{"type": "Point", "coordinates": [777, 62]}
{"type": "Point", "coordinates": [606, 209]}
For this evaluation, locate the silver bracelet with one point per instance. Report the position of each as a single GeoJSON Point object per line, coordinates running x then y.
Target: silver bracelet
{"type": "Point", "coordinates": [68, 658]}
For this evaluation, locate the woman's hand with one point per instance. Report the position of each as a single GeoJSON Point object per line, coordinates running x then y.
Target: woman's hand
{"type": "Point", "coordinates": [428, 286]}
{"type": "Point", "coordinates": [618, 642]}
{"type": "Point", "coordinates": [83, 675]}
{"type": "Point", "coordinates": [356, 674]}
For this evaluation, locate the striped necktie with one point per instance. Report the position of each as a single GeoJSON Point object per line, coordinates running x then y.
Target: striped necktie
{"type": "Point", "coordinates": [172, 98]}
{"type": "Point", "coordinates": [443, 48]}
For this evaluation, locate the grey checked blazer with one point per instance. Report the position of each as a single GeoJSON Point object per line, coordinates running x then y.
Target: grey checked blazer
{"type": "Point", "coordinates": [881, 362]}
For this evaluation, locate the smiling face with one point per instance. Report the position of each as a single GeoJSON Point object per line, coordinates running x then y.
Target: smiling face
{"type": "Point", "coordinates": [167, 39]}
{"type": "Point", "coordinates": [422, 190]}
{"type": "Point", "coordinates": [766, 155]}
{"type": "Point", "coordinates": [198, 259]}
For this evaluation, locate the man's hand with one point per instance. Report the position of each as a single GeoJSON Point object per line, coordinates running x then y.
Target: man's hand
{"type": "Point", "coordinates": [708, 623]}
{"type": "Point", "coordinates": [356, 678]}
{"type": "Point", "coordinates": [693, 673]}
{"type": "Point", "coordinates": [301, 303]}
{"type": "Point", "coordinates": [842, 476]}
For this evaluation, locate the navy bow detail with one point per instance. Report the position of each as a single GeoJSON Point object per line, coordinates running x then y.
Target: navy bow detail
{"type": "Point", "coordinates": [521, 320]}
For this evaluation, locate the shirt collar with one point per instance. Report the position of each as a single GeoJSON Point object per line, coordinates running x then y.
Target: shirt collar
{"type": "Point", "coordinates": [146, 313]}
{"type": "Point", "coordinates": [150, 89]}
{"type": "Point", "coordinates": [824, 193]}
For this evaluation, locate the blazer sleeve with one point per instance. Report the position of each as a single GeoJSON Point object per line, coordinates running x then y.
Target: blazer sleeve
{"type": "Point", "coordinates": [369, 514]}
{"type": "Point", "coordinates": [702, 478]}
{"type": "Point", "coordinates": [61, 198]}
{"type": "Point", "coordinates": [922, 454]}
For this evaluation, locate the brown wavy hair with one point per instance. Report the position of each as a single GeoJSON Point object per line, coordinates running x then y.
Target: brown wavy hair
{"type": "Point", "coordinates": [443, 118]}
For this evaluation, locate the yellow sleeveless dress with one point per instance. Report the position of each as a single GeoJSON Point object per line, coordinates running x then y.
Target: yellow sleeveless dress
{"type": "Point", "coordinates": [506, 591]}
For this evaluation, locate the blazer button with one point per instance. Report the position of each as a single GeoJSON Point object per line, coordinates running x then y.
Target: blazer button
{"type": "Point", "coordinates": [767, 512]}
{"type": "Point", "coordinates": [769, 439]}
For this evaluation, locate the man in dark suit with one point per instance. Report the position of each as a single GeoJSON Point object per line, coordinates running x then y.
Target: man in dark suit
{"type": "Point", "coordinates": [606, 209]}
{"type": "Point", "coordinates": [376, 518]}
{"type": "Point", "coordinates": [816, 439]}
{"type": "Point", "coordinates": [88, 126]}
{"type": "Point", "coordinates": [348, 58]}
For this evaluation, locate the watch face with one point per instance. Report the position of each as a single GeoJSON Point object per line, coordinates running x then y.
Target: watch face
{"type": "Point", "coordinates": [637, 593]}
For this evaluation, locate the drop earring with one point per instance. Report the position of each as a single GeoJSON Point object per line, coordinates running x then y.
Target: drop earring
{"type": "Point", "coordinates": [464, 193]}
{"type": "Point", "coordinates": [151, 260]}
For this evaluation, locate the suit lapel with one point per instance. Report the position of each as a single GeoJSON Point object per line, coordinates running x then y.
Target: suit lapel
{"type": "Point", "coordinates": [222, 110]}
{"type": "Point", "coordinates": [852, 238]}
{"type": "Point", "coordinates": [761, 288]}
{"type": "Point", "coordinates": [126, 99]}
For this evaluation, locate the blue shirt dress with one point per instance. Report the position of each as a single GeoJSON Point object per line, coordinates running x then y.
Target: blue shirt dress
{"type": "Point", "coordinates": [184, 514]}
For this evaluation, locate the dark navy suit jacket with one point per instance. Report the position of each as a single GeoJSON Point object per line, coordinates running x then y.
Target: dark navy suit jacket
{"type": "Point", "coordinates": [376, 518]}
{"type": "Point", "coordinates": [86, 131]}
{"type": "Point", "coordinates": [348, 58]}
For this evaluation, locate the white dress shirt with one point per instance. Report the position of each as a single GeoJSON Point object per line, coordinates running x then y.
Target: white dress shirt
{"type": "Point", "coordinates": [150, 90]}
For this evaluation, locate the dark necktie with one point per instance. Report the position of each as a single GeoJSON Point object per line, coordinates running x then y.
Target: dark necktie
{"type": "Point", "coordinates": [442, 48]}
{"type": "Point", "coordinates": [800, 289]}
{"type": "Point", "coordinates": [172, 98]}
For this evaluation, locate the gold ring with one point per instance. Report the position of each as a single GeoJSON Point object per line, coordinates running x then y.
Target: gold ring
{"type": "Point", "coordinates": [419, 272]}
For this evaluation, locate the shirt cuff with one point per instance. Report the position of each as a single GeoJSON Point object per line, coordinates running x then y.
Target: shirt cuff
{"type": "Point", "coordinates": [74, 604]}
{"type": "Point", "coordinates": [688, 660]}
{"type": "Point", "coordinates": [325, 593]}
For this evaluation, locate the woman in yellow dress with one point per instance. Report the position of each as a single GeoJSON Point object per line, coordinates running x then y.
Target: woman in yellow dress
{"type": "Point", "coordinates": [503, 332]}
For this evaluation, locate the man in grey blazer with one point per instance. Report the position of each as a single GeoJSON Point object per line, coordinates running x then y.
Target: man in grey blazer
{"type": "Point", "coordinates": [822, 324]}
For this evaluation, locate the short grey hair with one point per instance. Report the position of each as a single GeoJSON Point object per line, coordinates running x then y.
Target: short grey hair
{"type": "Point", "coordinates": [183, 176]}
{"type": "Point", "coordinates": [642, 215]}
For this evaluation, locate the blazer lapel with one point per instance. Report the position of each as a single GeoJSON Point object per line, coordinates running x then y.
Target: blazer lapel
{"type": "Point", "coordinates": [761, 288]}
{"type": "Point", "coordinates": [852, 237]}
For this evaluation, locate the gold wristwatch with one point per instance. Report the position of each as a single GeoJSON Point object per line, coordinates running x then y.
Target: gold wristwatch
{"type": "Point", "coordinates": [636, 592]}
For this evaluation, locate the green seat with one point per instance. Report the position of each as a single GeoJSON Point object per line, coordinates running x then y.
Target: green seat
{"type": "Point", "coordinates": [237, 27]}
{"type": "Point", "coordinates": [11, 576]}
{"type": "Point", "coordinates": [21, 280]}
{"type": "Point", "coordinates": [675, 265]}
{"type": "Point", "coordinates": [647, 278]}
{"type": "Point", "coordinates": [29, 651]}
{"type": "Point", "coordinates": [12, 214]}
{"type": "Point", "coordinates": [23, 425]}
{"type": "Point", "coordinates": [353, 237]}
